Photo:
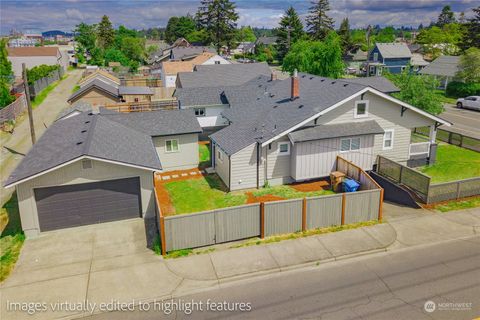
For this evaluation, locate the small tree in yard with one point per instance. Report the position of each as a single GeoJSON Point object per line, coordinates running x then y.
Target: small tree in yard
{"type": "Point", "coordinates": [469, 67]}
{"type": "Point", "coordinates": [417, 90]}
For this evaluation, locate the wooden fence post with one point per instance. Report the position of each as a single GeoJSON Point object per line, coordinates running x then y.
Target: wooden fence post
{"type": "Point", "coordinates": [304, 214]}
{"type": "Point", "coordinates": [262, 220]}
{"type": "Point", "coordinates": [380, 206]}
{"type": "Point", "coordinates": [458, 190]}
{"type": "Point", "coordinates": [162, 235]}
{"type": "Point", "coordinates": [344, 198]}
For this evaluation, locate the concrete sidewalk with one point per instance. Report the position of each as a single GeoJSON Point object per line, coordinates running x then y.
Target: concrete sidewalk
{"type": "Point", "coordinates": [123, 272]}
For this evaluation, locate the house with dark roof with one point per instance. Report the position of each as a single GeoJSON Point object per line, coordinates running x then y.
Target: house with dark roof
{"type": "Point", "coordinates": [444, 68]}
{"type": "Point", "coordinates": [394, 57]}
{"type": "Point", "coordinates": [99, 92]}
{"type": "Point", "coordinates": [283, 131]}
{"type": "Point", "coordinates": [97, 167]}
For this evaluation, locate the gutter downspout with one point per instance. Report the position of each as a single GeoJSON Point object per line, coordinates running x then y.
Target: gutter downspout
{"type": "Point", "coordinates": [258, 165]}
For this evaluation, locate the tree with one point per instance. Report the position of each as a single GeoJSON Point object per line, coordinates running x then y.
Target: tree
{"type": "Point", "coordinates": [472, 36]}
{"type": "Point", "coordinates": [319, 24]}
{"type": "Point", "coordinates": [5, 64]}
{"type": "Point", "coordinates": [323, 58]}
{"type": "Point", "coordinates": [469, 66]}
{"type": "Point", "coordinates": [417, 90]}
{"type": "Point", "coordinates": [5, 97]}
{"type": "Point", "coordinates": [179, 27]}
{"type": "Point", "coordinates": [290, 30]}
{"type": "Point", "coordinates": [199, 36]}
{"type": "Point", "coordinates": [105, 33]}
{"type": "Point", "coordinates": [133, 48]}
{"type": "Point", "coordinates": [386, 35]}
{"type": "Point", "coordinates": [85, 35]}
{"type": "Point", "coordinates": [245, 34]}
{"type": "Point", "coordinates": [115, 55]}
{"type": "Point", "coordinates": [446, 16]}
{"type": "Point", "coordinates": [218, 18]}
{"type": "Point", "coordinates": [345, 36]}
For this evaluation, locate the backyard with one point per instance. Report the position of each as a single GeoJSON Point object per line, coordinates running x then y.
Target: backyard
{"type": "Point", "coordinates": [453, 163]}
{"type": "Point", "coordinates": [207, 192]}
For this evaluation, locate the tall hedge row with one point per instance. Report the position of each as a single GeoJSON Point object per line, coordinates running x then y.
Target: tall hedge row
{"type": "Point", "coordinates": [40, 71]}
{"type": "Point", "coordinates": [460, 89]}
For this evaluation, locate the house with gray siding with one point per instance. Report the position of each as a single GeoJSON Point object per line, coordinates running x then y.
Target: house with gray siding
{"type": "Point", "coordinates": [97, 167]}
{"type": "Point", "coordinates": [292, 130]}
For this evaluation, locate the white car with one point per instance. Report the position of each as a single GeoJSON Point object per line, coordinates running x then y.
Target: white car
{"type": "Point", "coordinates": [472, 102]}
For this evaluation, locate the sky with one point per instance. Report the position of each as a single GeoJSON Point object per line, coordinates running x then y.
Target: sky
{"type": "Point", "coordinates": [44, 15]}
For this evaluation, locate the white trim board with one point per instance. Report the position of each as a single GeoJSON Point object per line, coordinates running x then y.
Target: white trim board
{"type": "Point", "coordinates": [336, 105]}
{"type": "Point", "coordinates": [75, 160]}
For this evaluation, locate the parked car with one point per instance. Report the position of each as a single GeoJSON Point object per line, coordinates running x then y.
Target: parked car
{"type": "Point", "coordinates": [472, 102]}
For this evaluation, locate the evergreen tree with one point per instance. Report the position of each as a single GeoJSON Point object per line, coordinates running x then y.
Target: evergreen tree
{"type": "Point", "coordinates": [345, 36]}
{"type": "Point", "coordinates": [218, 18]}
{"type": "Point", "coordinates": [472, 37]}
{"type": "Point", "coordinates": [105, 33]}
{"type": "Point", "coordinates": [290, 30]}
{"type": "Point", "coordinates": [319, 24]}
{"type": "Point", "coordinates": [5, 64]}
{"type": "Point", "coordinates": [179, 27]}
{"type": "Point", "coordinates": [85, 36]}
{"type": "Point", "coordinates": [446, 16]}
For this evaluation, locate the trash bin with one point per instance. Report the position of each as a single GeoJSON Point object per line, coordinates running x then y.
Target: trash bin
{"type": "Point", "coordinates": [350, 185]}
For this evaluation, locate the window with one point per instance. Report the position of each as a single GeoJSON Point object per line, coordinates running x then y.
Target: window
{"type": "Point", "coordinates": [361, 109]}
{"type": "Point", "coordinates": [200, 112]}
{"type": "Point", "coordinates": [375, 56]}
{"type": "Point", "coordinates": [87, 164]}
{"type": "Point", "coordinates": [220, 155]}
{"type": "Point", "coordinates": [349, 144]}
{"type": "Point", "coordinates": [217, 62]}
{"type": "Point", "coordinates": [388, 139]}
{"type": "Point", "coordinates": [135, 99]}
{"type": "Point", "coordinates": [284, 148]}
{"type": "Point", "coordinates": [171, 146]}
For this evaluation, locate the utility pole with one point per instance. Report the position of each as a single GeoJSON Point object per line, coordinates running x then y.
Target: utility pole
{"type": "Point", "coordinates": [29, 105]}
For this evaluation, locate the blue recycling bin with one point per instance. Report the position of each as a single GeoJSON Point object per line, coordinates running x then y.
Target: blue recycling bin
{"type": "Point", "coordinates": [350, 185]}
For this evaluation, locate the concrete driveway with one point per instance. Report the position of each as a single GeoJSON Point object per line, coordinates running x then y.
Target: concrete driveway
{"type": "Point", "coordinates": [94, 263]}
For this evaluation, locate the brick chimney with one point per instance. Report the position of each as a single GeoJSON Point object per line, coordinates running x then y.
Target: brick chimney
{"type": "Point", "coordinates": [295, 92]}
{"type": "Point", "coordinates": [273, 76]}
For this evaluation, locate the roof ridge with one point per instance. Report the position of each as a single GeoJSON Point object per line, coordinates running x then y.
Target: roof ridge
{"type": "Point", "coordinates": [90, 132]}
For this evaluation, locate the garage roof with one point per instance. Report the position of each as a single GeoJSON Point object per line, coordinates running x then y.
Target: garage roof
{"type": "Point", "coordinates": [125, 139]}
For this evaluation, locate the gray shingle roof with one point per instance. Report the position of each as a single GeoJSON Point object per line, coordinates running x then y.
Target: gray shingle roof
{"type": "Point", "coordinates": [266, 40]}
{"type": "Point", "coordinates": [336, 131]}
{"type": "Point", "coordinates": [222, 75]}
{"type": "Point", "coordinates": [79, 106]}
{"type": "Point", "coordinates": [394, 50]}
{"type": "Point", "coordinates": [120, 137]}
{"type": "Point", "coordinates": [135, 90]}
{"type": "Point", "coordinates": [442, 66]}
{"type": "Point", "coordinates": [159, 123]}
{"type": "Point", "coordinates": [98, 84]}
{"type": "Point", "coordinates": [380, 83]}
{"type": "Point", "coordinates": [179, 53]}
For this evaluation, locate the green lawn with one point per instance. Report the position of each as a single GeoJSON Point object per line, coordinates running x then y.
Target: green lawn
{"type": "Point", "coordinates": [453, 163]}
{"type": "Point", "coordinates": [444, 98]}
{"type": "Point", "coordinates": [209, 193]}
{"type": "Point", "coordinates": [11, 238]}
{"type": "Point", "coordinates": [458, 204]}
{"type": "Point", "coordinates": [204, 152]}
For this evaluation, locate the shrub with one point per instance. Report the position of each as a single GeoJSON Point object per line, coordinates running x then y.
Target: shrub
{"type": "Point", "coordinates": [40, 71]}
{"type": "Point", "coordinates": [459, 89]}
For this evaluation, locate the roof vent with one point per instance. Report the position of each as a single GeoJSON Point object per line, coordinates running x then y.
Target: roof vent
{"type": "Point", "coordinates": [275, 106]}
{"type": "Point", "coordinates": [79, 143]}
{"type": "Point", "coordinates": [346, 84]}
{"type": "Point", "coordinates": [333, 82]}
{"type": "Point", "coordinates": [300, 106]}
{"type": "Point", "coordinates": [311, 78]}
{"type": "Point", "coordinates": [322, 80]}
{"type": "Point", "coordinates": [87, 121]}
{"type": "Point", "coordinates": [303, 76]}
{"type": "Point", "coordinates": [87, 164]}
{"type": "Point", "coordinates": [272, 95]}
{"type": "Point", "coordinates": [83, 131]}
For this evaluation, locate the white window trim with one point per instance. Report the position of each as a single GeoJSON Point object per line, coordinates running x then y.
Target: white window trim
{"type": "Point", "coordinates": [392, 139]}
{"type": "Point", "coordinates": [355, 115]}
{"type": "Point", "coordinates": [350, 144]}
{"type": "Point", "coordinates": [200, 108]}
{"type": "Point", "coordinates": [220, 155]}
{"type": "Point", "coordinates": [172, 151]}
{"type": "Point", "coordinates": [284, 153]}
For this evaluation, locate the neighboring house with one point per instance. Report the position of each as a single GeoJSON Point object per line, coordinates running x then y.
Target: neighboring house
{"type": "Point", "coordinates": [244, 48]}
{"type": "Point", "coordinates": [221, 75]}
{"type": "Point", "coordinates": [355, 58]}
{"type": "Point", "coordinates": [170, 69]}
{"type": "Point", "coordinates": [90, 168]}
{"type": "Point", "coordinates": [101, 75]}
{"type": "Point", "coordinates": [417, 62]}
{"type": "Point", "coordinates": [22, 42]}
{"type": "Point", "coordinates": [444, 68]}
{"type": "Point", "coordinates": [35, 56]}
{"type": "Point", "coordinates": [292, 130]}
{"type": "Point", "coordinates": [99, 93]}
{"type": "Point", "coordinates": [393, 57]}
{"type": "Point", "coordinates": [266, 41]}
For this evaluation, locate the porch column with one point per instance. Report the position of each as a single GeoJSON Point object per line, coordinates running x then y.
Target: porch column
{"type": "Point", "coordinates": [432, 156]}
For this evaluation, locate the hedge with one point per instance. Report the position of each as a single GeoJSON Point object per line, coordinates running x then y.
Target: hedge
{"type": "Point", "coordinates": [40, 71]}
{"type": "Point", "coordinates": [460, 89]}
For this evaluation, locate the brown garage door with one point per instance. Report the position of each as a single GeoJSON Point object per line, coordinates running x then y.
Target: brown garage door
{"type": "Point", "coordinates": [88, 203]}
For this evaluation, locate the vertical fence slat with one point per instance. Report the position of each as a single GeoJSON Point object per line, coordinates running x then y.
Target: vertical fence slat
{"type": "Point", "coordinates": [324, 211]}
{"type": "Point", "coordinates": [283, 216]}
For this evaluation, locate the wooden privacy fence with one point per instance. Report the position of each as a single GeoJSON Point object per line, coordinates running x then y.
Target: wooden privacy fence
{"type": "Point", "coordinates": [14, 109]}
{"type": "Point", "coordinates": [267, 218]}
{"type": "Point", "coordinates": [454, 138]}
{"type": "Point", "coordinates": [141, 82]}
{"type": "Point", "coordinates": [356, 173]}
{"type": "Point", "coordinates": [421, 183]}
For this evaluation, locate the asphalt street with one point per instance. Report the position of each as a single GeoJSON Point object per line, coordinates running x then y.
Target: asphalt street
{"type": "Point", "coordinates": [392, 285]}
{"type": "Point", "coordinates": [464, 121]}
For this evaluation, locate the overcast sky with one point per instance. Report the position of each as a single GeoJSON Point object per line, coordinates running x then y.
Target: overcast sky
{"type": "Point", "coordinates": [43, 15]}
